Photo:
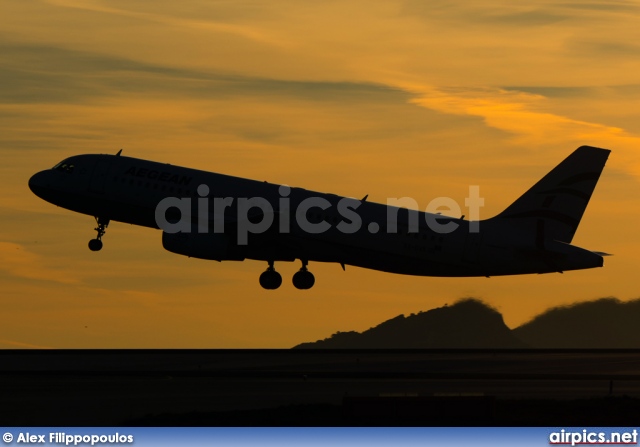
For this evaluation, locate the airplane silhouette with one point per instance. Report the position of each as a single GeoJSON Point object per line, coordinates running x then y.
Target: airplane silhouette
{"type": "Point", "coordinates": [218, 217]}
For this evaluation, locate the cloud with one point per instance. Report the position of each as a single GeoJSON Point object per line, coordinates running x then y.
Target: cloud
{"type": "Point", "coordinates": [532, 18]}
{"type": "Point", "coordinates": [515, 112]}
{"type": "Point", "coordinates": [603, 49]}
{"type": "Point", "coordinates": [608, 6]}
{"type": "Point", "coordinates": [21, 263]}
{"type": "Point", "coordinates": [554, 91]}
{"type": "Point", "coordinates": [48, 74]}
{"type": "Point", "coordinates": [171, 19]}
{"type": "Point", "coordinates": [529, 14]}
{"type": "Point", "coordinates": [527, 117]}
{"type": "Point", "coordinates": [4, 344]}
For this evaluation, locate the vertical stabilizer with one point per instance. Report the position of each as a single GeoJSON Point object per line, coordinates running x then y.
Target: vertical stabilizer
{"type": "Point", "coordinates": [553, 207]}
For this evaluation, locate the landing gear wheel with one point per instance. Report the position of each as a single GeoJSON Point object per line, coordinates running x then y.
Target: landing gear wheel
{"type": "Point", "coordinates": [270, 279]}
{"type": "Point", "coordinates": [95, 245]}
{"type": "Point", "coordinates": [303, 279]}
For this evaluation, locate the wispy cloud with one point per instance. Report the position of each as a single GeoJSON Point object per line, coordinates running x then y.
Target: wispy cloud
{"type": "Point", "coordinates": [19, 262]}
{"type": "Point", "coordinates": [527, 118]}
{"type": "Point", "coordinates": [245, 31]}
{"type": "Point", "coordinates": [515, 112]}
{"type": "Point", "coordinates": [20, 345]}
{"type": "Point", "coordinates": [599, 6]}
{"type": "Point", "coordinates": [50, 74]}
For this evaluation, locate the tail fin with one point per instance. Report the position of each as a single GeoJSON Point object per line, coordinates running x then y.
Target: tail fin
{"type": "Point", "coordinates": [553, 207]}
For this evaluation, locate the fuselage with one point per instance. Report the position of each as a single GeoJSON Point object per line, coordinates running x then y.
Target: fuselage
{"type": "Point", "coordinates": [386, 238]}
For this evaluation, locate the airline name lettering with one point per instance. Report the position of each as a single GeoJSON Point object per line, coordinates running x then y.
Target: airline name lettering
{"type": "Point", "coordinates": [157, 175]}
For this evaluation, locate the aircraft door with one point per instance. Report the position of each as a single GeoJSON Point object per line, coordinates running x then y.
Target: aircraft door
{"type": "Point", "coordinates": [99, 176]}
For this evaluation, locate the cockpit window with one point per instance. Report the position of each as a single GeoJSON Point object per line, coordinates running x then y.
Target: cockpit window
{"type": "Point", "coordinates": [64, 167]}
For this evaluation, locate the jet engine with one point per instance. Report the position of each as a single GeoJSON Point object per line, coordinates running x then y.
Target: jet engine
{"type": "Point", "coordinates": [212, 246]}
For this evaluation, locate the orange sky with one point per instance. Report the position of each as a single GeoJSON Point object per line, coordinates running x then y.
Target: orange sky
{"type": "Point", "coordinates": [386, 98]}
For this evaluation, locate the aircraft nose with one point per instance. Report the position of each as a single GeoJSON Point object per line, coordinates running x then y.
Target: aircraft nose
{"type": "Point", "coordinates": [39, 182]}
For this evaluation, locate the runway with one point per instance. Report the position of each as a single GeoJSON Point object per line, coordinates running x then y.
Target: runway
{"type": "Point", "coordinates": [116, 387]}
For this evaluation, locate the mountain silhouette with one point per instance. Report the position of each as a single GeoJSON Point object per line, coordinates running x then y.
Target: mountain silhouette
{"type": "Point", "coordinates": [603, 323]}
{"type": "Point", "coordinates": [468, 323]}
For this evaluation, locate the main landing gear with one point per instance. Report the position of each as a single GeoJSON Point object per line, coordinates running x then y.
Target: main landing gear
{"type": "Point", "coordinates": [271, 280]}
{"type": "Point", "coordinates": [303, 278]}
{"type": "Point", "coordinates": [96, 244]}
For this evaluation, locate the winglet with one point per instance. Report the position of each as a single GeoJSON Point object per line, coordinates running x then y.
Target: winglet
{"type": "Point", "coordinates": [601, 253]}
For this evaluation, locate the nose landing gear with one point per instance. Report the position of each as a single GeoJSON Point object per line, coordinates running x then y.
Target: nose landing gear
{"type": "Point", "coordinates": [96, 244]}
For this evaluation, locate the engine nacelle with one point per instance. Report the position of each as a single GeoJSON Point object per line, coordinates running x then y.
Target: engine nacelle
{"type": "Point", "coordinates": [212, 246]}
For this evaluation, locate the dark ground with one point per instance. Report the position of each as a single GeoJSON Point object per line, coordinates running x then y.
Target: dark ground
{"type": "Point", "coordinates": [320, 388]}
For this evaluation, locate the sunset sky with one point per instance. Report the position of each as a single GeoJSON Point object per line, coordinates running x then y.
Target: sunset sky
{"type": "Point", "coordinates": [386, 98]}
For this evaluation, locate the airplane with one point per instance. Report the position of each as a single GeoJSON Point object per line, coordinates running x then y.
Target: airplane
{"type": "Point", "coordinates": [275, 223]}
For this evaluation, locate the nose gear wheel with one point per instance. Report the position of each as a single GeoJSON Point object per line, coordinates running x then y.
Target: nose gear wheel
{"type": "Point", "coordinates": [96, 244]}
